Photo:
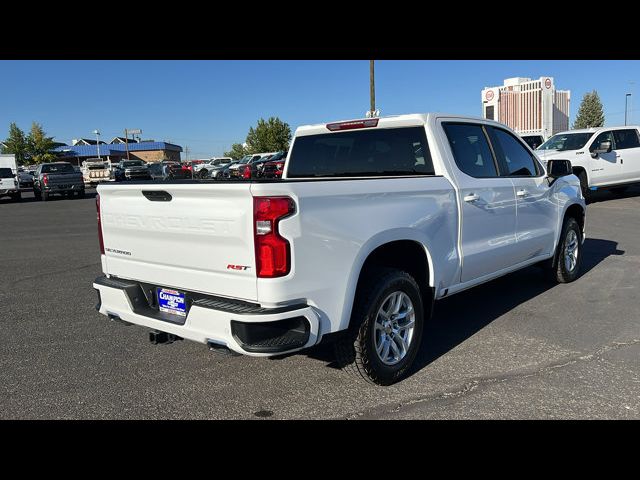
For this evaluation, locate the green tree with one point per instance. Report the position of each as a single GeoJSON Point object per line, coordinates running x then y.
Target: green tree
{"type": "Point", "coordinates": [39, 145]}
{"type": "Point", "coordinates": [237, 151]}
{"type": "Point", "coordinates": [269, 136]}
{"type": "Point", "coordinates": [16, 143]}
{"type": "Point", "coordinates": [590, 113]}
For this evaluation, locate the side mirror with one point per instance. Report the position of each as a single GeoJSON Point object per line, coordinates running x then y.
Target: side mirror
{"type": "Point", "coordinates": [604, 147]}
{"type": "Point", "coordinates": [558, 168]}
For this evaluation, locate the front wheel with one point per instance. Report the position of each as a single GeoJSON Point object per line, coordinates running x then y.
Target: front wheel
{"type": "Point", "coordinates": [568, 258]}
{"type": "Point", "coordinates": [386, 327]}
{"type": "Point", "coordinates": [584, 186]}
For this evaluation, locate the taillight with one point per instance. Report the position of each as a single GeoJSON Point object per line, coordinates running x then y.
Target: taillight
{"type": "Point", "coordinates": [45, 179]}
{"type": "Point", "coordinates": [246, 173]}
{"type": "Point", "coordinates": [370, 122]}
{"type": "Point", "coordinates": [279, 165]}
{"type": "Point", "coordinates": [273, 255]}
{"type": "Point", "coordinates": [99, 224]}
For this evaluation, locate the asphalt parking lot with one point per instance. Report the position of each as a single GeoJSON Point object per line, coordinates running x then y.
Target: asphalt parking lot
{"type": "Point", "coordinates": [516, 348]}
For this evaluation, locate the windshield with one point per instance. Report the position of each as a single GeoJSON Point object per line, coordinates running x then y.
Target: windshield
{"type": "Point", "coordinates": [58, 168]}
{"type": "Point", "coordinates": [566, 141]}
{"type": "Point", "coordinates": [246, 159]}
{"type": "Point", "coordinates": [6, 173]}
{"type": "Point", "coordinates": [132, 163]}
{"type": "Point", "coordinates": [278, 156]}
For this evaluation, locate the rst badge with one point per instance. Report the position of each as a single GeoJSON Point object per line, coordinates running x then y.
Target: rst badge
{"type": "Point", "coordinates": [237, 267]}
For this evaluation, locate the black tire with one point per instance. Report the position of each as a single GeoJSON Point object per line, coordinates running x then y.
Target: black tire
{"type": "Point", "coordinates": [16, 197]}
{"type": "Point", "coordinates": [203, 173]}
{"type": "Point", "coordinates": [37, 194]}
{"type": "Point", "coordinates": [356, 352]}
{"type": "Point", "coordinates": [81, 193]}
{"type": "Point", "coordinates": [45, 196]}
{"type": "Point", "coordinates": [558, 271]}
{"type": "Point", "coordinates": [584, 185]}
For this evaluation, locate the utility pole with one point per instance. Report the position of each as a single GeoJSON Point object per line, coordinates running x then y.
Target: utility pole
{"type": "Point", "coordinates": [372, 85]}
{"type": "Point", "coordinates": [372, 92]}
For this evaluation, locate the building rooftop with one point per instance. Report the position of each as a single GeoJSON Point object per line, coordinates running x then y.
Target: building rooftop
{"type": "Point", "coordinates": [117, 149]}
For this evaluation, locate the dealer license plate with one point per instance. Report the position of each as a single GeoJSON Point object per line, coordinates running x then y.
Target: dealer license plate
{"type": "Point", "coordinates": [172, 301]}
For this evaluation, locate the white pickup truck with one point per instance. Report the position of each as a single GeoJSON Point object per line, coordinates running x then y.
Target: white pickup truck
{"type": "Point", "coordinates": [372, 222]}
{"type": "Point", "coordinates": [605, 157]}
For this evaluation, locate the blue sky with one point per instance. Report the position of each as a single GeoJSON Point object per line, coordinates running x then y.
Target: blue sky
{"type": "Point", "coordinates": [208, 105]}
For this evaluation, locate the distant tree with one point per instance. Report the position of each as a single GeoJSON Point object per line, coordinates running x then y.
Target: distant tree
{"type": "Point", "coordinates": [269, 136]}
{"type": "Point", "coordinates": [39, 146]}
{"type": "Point", "coordinates": [590, 113]}
{"type": "Point", "coordinates": [16, 143]}
{"type": "Point", "coordinates": [237, 151]}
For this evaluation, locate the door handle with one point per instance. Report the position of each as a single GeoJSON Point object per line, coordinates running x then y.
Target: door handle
{"type": "Point", "coordinates": [521, 193]}
{"type": "Point", "coordinates": [472, 197]}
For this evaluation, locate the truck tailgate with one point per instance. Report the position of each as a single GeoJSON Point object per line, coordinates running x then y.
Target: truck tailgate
{"type": "Point", "coordinates": [196, 237]}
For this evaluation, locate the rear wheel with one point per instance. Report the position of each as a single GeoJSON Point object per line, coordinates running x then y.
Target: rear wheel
{"type": "Point", "coordinates": [203, 173]}
{"type": "Point", "coordinates": [80, 193]}
{"type": "Point", "coordinates": [16, 197]}
{"type": "Point", "coordinates": [386, 327]}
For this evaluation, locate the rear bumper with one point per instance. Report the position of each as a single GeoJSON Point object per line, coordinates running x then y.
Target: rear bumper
{"type": "Point", "coordinates": [67, 188]}
{"type": "Point", "coordinates": [240, 326]}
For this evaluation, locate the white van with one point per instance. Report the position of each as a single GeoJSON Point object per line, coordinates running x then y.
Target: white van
{"type": "Point", "coordinates": [604, 157]}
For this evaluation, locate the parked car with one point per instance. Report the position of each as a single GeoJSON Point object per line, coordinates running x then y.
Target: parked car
{"type": "Point", "coordinates": [131, 170]}
{"type": "Point", "coordinates": [25, 178]}
{"type": "Point", "coordinates": [602, 158]}
{"type": "Point", "coordinates": [167, 170]}
{"type": "Point", "coordinates": [59, 178]}
{"type": "Point", "coordinates": [275, 166]}
{"type": "Point", "coordinates": [204, 169]}
{"type": "Point", "coordinates": [534, 141]}
{"type": "Point", "coordinates": [401, 211]}
{"type": "Point", "coordinates": [248, 165]}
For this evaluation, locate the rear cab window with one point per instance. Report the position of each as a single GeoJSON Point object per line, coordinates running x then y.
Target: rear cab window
{"type": "Point", "coordinates": [58, 168]}
{"type": "Point", "coordinates": [6, 173]}
{"type": "Point", "coordinates": [361, 153]}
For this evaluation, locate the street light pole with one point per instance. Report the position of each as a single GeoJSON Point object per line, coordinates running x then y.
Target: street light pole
{"type": "Point", "coordinates": [97, 132]}
{"type": "Point", "coordinates": [626, 98]}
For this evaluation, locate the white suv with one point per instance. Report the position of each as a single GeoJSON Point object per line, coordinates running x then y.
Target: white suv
{"type": "Point", "coordinates": [605, 157]}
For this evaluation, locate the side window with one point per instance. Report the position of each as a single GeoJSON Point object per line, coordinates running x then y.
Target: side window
{"type": "Point", "coordinates": [626, 139]}
{"type": "Point", "coordinates": [518, 162]}
{"type": "Point", "coordinates": [603, 137]}
{"type": "Point", "coordinates": [471, 149]}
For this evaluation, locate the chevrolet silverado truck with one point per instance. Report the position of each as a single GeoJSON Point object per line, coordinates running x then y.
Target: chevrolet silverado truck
{"type": "Point", "coordinates": [59, 178]}
{"type": "Point", "coordinates": [372, 222]}
{"type": "Point", "coordinates": [602, 158]}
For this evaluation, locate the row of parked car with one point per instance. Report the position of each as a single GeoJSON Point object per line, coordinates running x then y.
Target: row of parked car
{"type": "Point", "coordinates": [257, 165]}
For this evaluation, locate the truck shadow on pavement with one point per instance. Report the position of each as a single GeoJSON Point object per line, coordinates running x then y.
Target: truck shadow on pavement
{"type": "Point", "coordinates": [457, 318]}
{"type": "Point", "coordinates": [605, 195]}
{"type": "Point", "coordinates": [27, 197]}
